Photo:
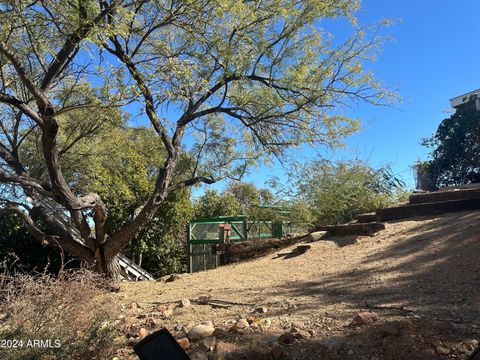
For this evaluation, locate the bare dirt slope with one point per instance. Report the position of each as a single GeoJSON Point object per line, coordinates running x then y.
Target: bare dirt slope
{"type": "Point", "coordinates": [420, 277]}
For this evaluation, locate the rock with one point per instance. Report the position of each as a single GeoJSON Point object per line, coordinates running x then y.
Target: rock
{"type": "Point", "coordinates": [302, 334]}
{"type": "Point", "coordinates": [251, 320]}
{"type": "Point", "coordinates": [299, 333]}
{"type": "Point", "coordinates": [209, 343]}
{"type": "Point", "coordinates": [315, 236]}
{"type": "Point", "coordinates": [264, 324]}
{"type": "Point", "coordinates": [442, 350]}
{"type": "Point", "coordinates": [364, 318]}
{"type": "Point", "coordinates": [143, 332]}
{"type": "Point", "coordinates": [172, 277]}
{"type": "Point", "coordinates": [184, 343]}
{"type": "Point", "coordinates": [311, 332]}
{"type": "Point", "coordinates": [429, 352]}
{"type": "Point", "coordinates": [222, 349]}
{"type": "Point", "coordinates": [199, 354]}
{"type": "Point", "coordinates": [208, 323]}
{"type": "Point", "coordinates": [390, 329]}
{"type": "Point", "coordinates": [168, 312]}
{"type": "Point", "coordinates": [133, 306]}
{"type": "Point", "coordinates": [181, 334]}
{"type": "Point", "coordinates": [350, 352]}
{"type": "Point", "coordinates": [240, 325]}
{"type": "Point", "coordinates": [200, 332]}
{"type": "Point", "coordinates": [151, 322]}
{"type": "Point", "coordinates": [178, 327]}
{"type": "Point", "coordinates": [133, 341]}
{"type": "Point", "coordinates": [286, 338]}
{"type": "Point", "coordinates": [277, 352]}
{"type": "Point", "coordinates": [261, 310]}
{"type": "Point", "coordinates": [219, 333]}
{"type": "Point", "coordinates": [184, 303]}
{"type": "Point", "coordinates": [471, 344]}
{"type": "Point", "coordinates": [332, 344]}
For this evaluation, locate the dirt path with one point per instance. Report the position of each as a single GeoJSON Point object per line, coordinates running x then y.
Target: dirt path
{"type": "Point", "coordinates": [420, 277]}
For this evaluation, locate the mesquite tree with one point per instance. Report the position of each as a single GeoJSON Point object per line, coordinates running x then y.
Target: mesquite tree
{"type": "Point", "coordinates": [223, 83]}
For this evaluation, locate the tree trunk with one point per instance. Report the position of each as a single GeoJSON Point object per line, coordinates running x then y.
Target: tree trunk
{"type": "Point", "coordinates": [108, 267]}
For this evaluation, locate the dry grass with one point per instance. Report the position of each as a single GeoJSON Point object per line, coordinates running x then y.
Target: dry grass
{"type": "Point", "coordinates": [70, 314]}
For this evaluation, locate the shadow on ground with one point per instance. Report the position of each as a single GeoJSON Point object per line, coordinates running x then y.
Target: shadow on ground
{"type": "Point", "coordinates": [428, 278]}
{"type": "Point", "coordinates": [409, 339]}
{"type": "Point", "coordinates": [433, 268]}
{"type": "Point", "coordinates": [299, 250]}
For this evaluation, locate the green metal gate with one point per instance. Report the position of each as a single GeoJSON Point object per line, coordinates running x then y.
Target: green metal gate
{"type": "Point", "coordinates": [203, 236]}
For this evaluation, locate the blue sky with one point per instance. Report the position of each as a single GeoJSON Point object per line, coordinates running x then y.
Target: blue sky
{"type": "Point", "coordinates": [432, 57]}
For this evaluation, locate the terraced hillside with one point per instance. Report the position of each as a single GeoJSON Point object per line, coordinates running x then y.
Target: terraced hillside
{"type": "Point", "coordinates": [413, 290]}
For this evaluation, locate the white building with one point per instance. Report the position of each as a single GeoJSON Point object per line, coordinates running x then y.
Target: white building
{"type": "Point", "coordinates": [461, 100]}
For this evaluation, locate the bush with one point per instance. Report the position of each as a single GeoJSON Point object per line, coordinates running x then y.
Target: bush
{"type": "Point", "coordinates": [336, 192]}
{"type": "Point", "coordinates": [161, 247]}
{"type": "Point", "coordinates": [19, 251]}
{"type": "Point", "coordinates": [70, 314]}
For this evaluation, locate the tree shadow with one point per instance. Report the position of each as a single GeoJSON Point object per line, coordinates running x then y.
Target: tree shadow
{"type": "Point", "coordinates": [433, 269]}
{"type": "Point", "coordinates": [299, 250]}
{"type": "Point", "coordinates": [427, 277]}
{"type": "Point", "coordinates": [374, 341]}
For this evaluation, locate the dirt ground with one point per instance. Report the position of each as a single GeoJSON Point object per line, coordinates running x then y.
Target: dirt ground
{"type": "Point", "coordinates": [420, 279]}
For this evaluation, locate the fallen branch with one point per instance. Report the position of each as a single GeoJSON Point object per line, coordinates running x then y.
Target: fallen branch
{"type": "Point", "coordinates": [219, 303]}
{"type": "Point", "coordinates": [389, 307]}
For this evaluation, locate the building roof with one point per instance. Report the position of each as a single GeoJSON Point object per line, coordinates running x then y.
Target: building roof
{"type": "Point", "coordinates": [462, 99]}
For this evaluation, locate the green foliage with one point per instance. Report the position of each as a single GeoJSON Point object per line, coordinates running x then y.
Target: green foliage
{"type": "Point", "coordinates": [19, 252]}
{"type": "Point", "coordinates": [251, 200]}
{"type": "Point", "coordinates": [246, 194]}
{"type": "Point", "coordinates": [336, 193]}
{"type": "Point", "coordinates": [456, 149]}
{"type": "Point", "coordinates": [162, 245]}
{"type": "Point", "coordinates": [104, 155]}
{"type": "Point", "coordinates": [225, 84]}
{"type": "Point", "coordinates": [213, 204]}
{"type": "Point", "coordinates": [237, 199]}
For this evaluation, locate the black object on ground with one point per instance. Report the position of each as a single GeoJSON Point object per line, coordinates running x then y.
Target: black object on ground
{"type": "Point", "coordinates": [475, 355]}
{"type": "Point", "coordinates": [160, 345]}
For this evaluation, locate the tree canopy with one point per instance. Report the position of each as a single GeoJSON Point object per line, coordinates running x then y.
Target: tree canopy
{"type": "Point", "coordinates": [325, 192]}
{"type": "Point", "coordinates": [456, 149]}
{"type": "Point", "coordinates": [223, 84]}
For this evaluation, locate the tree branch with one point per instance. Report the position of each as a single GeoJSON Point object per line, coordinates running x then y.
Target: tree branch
{"type": "Point", "coordinates": [25, 181]}
{"type": "Point", "coordinates": [147, 94]}
{"type": "Point", "coordinates": [40, 97]}
{"type": "Point", "coordinates": [24, 108]}
{"type": "Point", "coordinates": [68, 50]}
{"type": "Point", "coordinates": [191, 182]}
{"type": "Point", "coordinates": [63, 237]}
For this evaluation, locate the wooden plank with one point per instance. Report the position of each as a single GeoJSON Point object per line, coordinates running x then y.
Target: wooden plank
{"type": "Point", "coordinates": [450, 195]}
{"type": "Point", "coordinates": [367, 217]}
{"type": "Point", "coordinates": [353, 228]}
{"type": "Point", "coordinates": [429, 209]}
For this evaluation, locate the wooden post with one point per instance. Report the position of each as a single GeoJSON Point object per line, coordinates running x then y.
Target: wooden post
{"type": "Point", "coordinates": [189, 246]}
{"type": "Point", "coordinates": [245, 229]}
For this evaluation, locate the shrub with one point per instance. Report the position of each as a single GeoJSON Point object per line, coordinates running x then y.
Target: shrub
{"type": "Point", "coordinates": [71, 314]}
{"type": "Point", "coordinates": [336, 192]}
